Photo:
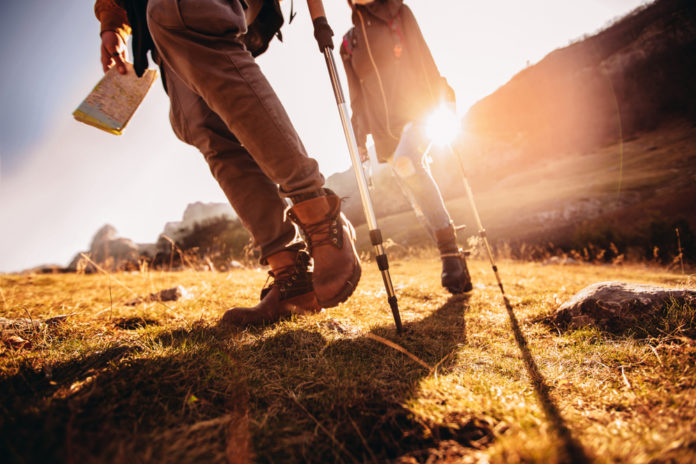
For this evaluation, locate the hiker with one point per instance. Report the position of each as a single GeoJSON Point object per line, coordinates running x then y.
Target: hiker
{"type": "Point", "coordinates": [222, 104]}
{"type": "Point", "coordinates": [394, 84]}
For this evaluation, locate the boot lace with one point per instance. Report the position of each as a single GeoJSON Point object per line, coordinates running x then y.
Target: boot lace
{"type": "Point", "coordinates": [323, 233]}
{"type": "Point", "coordinates": [290, 279]}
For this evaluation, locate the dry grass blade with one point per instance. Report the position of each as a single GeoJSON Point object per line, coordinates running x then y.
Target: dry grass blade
{"type": "Point", "coordinates": [324, 429]}
{"type": "Point", "coordinates": [105, 272]}
{"type": "Point", "coordinates": [623, 375]}
{"type": "Point", "coordinates": [114, 279]}
{"type": "Point", "coordinates": [182, 255]}
{"type": "Point", "coordinates": [391, 344]}
{"type": "Point", "coordinates": [657, 355]}
{"type": "Point", "coordinates": [362, 439]}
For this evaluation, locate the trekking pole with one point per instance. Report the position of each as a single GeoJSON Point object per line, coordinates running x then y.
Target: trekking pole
{"type": "Point", "coordinates": [319, 20]}
{"type": "Point", "coordinates": [481, 230]}
{"type": "Point", "coordinates": [375, 232]}
{"type": "Point", "coordinates": [573, 451]}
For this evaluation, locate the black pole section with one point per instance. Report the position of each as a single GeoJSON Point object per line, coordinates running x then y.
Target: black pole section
{"type": "Point", "coordinates": [375, 233]}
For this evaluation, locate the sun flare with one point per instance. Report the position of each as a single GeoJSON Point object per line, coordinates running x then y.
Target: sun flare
{"type": "Point", "coordinates": [442, 126]}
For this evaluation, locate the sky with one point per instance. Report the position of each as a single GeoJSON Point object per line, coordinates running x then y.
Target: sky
{"type": "Point", "coordinates": [60, 180]}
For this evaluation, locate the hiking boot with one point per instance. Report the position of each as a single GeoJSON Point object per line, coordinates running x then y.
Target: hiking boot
{"type": "Point", "coordinates": [290, 293]}
{"type": "Point", "coordinates": [330, 238]}
{"type": "Point", "coordinates": [455, 273]}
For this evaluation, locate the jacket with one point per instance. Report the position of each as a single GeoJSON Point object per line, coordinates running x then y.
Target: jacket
{"type": "Point", "coordinates": [392, 77]}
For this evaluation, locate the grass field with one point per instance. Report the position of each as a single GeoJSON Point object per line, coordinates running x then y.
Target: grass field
{"type": "Point", "coordinates": [159, 382]}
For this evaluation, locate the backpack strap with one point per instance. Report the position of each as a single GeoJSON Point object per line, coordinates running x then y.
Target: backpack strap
{"type": "Point", "coordinates": [266, 25]}
{"type": "Point", "coordinates": [349, 42]}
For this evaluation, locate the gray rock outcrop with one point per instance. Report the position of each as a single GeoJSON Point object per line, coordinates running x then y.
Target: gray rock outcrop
{"type": "Point", "coordinates": [196, 213]}
{"type": "Point", "coordinates": [620, 306]}
{"type": "Point", "coordinates": [111, 252]}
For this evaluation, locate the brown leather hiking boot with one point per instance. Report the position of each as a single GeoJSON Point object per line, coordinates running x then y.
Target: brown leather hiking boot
{"type": "Point", "coordinates": [290, 293]}
{"type": "Point", "coordinates": [330, 238]}
{"type": "Point", "coordinates": [455, 273]}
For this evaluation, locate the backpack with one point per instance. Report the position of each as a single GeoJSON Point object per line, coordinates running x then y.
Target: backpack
{"type": "Point", "coordinates": [264, 25]}
{"type": "Point", "coordinates": [266, 16]}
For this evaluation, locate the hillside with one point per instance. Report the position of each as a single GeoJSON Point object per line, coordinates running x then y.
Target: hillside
{"type": "Point", "coordinates": [592, 146]}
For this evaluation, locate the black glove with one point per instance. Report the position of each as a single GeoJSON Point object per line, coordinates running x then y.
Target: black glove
{"type": "Point", "coordinates": [323, 33]}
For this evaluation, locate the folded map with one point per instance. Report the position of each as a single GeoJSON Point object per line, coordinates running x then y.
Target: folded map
{"type": "Point", "coordinates": [114, 99]}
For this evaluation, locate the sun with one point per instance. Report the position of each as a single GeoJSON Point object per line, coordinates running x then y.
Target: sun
{"type": "Point", "coordinates": [442, 126]}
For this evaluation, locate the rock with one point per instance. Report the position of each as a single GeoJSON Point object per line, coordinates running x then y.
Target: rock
{"type": "Point", "coordinates": [620, 306]}
{"type": "Point", "coordinates": [168, 294]}
{"type": "Point", "coordinates": [111, 252]}
{"type": "Point", "coordinates": [55, 320]}
{"type": "Point", "coordinates": [118, 249]}
{"type": "Point", "coordinates": [234, 264]}
{"type": "Point", "coordinates": [197, 213]}
{"type": "Point", "coordinates": [106, 233]}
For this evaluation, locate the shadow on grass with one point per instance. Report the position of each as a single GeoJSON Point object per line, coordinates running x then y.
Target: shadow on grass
{"type": "Point", "coordinates": [571, 450]}
{"type": "Point", "coordinates": [202, 395]}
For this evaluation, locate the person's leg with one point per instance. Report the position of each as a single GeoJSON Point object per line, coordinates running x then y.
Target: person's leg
{"type": "Point", "coordinates": [413, 175]}
{"type": "Point", "coordinates": [252, 195]}
{"type": "Point", "coordinates": [257, 202]}
{"type": "Point", "coordinates": [199, 41]}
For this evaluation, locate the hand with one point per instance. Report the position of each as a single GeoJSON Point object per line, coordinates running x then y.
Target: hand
{"type": "Point", "coordinates": [323, 33]}
{"type": "Point", "coordinates": [113, 51]}
{"type": "Point", "coordinates": [364, 155]}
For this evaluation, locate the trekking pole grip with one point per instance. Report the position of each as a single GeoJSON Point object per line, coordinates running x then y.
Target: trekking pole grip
{"type": "Point", "coordinates": [323, 33]}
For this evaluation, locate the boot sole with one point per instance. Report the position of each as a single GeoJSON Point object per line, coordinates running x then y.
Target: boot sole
{"type": "Point", "coordinates": [458, 286]}
{"type": "Point", "coordinates": [457, 290]}
{"type": "Point", "coordinates": [347, 290]}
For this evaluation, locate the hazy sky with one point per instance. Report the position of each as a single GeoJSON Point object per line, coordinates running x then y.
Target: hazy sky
{"type": "Point", "coordinates": [61, 180]}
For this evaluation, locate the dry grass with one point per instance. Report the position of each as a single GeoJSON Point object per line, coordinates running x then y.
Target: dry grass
{"type": "Point", "coordinates": [159, 382]}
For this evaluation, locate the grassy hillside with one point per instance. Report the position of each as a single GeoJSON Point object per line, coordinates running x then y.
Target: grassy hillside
{"type": "Point", "coordinates": [158, 382]}
{"type": "Point", "coordinates": [624, 200]}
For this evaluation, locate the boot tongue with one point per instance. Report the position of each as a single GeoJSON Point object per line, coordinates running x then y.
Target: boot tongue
{"type": "Point", "coordinates": [318, 219]}
{"type": "Point", "coordinates": [281, 260]}
{"type": "Point", "coordinates": [314, 210]}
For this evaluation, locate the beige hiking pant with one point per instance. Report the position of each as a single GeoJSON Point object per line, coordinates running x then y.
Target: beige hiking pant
{"type": "Point", "coordinates": [222, 104]}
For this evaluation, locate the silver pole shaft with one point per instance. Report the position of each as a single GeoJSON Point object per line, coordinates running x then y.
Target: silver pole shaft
{"type": "Point", "coordinates": [375, 233]}
{"type": "Point", "coordinates": [352, 142]}
{"type": "Point", "coordinates": [482, 231]}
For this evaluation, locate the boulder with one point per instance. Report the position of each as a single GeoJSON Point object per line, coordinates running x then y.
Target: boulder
{"type": "Point", "coordinates": [196, 213]}
{"type": "Point", "coordinates": [111, 252]}
{"type": "Point", "coordinates": [619, 307]}
{"type": "Point", "coordinates": [168, 294]}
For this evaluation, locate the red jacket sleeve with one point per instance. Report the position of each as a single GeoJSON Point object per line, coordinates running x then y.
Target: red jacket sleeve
{"type": "Point", "coordinates": [112, 18]}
